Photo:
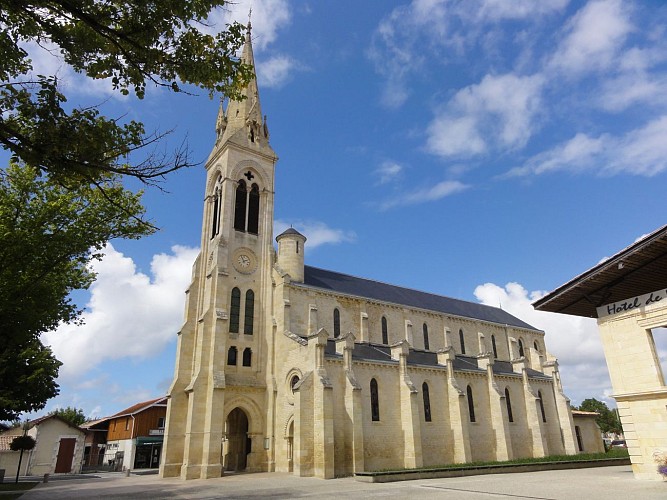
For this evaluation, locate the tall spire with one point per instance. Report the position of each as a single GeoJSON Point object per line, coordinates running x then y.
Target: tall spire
{"type": "Point", "coordinates": [246, 114]}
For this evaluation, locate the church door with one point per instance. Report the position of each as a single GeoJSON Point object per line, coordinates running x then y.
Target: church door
{"type": "Point", "coordinates": [238, 441]}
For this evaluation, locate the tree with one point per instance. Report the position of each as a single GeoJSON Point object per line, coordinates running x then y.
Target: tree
{"type": "Point", "coordinates": [49, 234]}
{"type": "Point", "coordinates": [607, 420]}
{"type": "Point", "coordinates": [22, 443]}
{"type": "Point", "coordinates": [131, 43]}
{"type": "Point", "coordinates": [74, 416]}
{"type": "Point", "coordinates": [27, 377]}
{"type": "Point", "coordinates": [61, 197]}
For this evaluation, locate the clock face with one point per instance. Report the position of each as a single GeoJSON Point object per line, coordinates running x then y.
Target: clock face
{"type": "Point", "coordinates": [244, 261]}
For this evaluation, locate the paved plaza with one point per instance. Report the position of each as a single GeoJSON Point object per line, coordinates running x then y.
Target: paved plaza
{"type": "Point", "coordinates": [603, 483]}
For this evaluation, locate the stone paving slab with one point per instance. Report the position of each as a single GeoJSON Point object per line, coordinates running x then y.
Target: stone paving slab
{"type": "Point", "coordinates": [590, 484]}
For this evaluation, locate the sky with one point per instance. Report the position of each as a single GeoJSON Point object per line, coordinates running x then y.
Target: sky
{"type": "Point", "coordinates": [485, 150]}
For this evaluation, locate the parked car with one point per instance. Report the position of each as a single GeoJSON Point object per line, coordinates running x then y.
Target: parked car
{"type": "Point", "coordinates": [618, 444]}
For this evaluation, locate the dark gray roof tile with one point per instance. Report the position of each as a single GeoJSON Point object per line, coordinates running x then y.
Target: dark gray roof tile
{"type": "Point", "coordinates": [361, 287]}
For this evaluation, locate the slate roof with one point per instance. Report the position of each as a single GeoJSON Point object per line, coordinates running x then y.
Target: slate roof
{"type": "Point", "coordinates": [367, 351]}
{"type": "Point", "coordinates": [376, 290]}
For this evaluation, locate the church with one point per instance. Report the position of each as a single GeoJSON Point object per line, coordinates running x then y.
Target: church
{"type": "Point", "coordinates": [286, 367]}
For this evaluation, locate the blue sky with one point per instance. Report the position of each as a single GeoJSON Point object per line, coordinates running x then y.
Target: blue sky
{"type": "Point", "coordinates": [486, 150]}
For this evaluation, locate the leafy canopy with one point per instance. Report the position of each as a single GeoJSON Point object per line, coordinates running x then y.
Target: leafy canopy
{"type": "Point", "coordinates": [61, 196]}
{"type": "Point", "coordinates": [161, 42]}
{"type": "Point", "coordinates": [608, 420]}
{"type": "Point", "coordinates": [74, 416]}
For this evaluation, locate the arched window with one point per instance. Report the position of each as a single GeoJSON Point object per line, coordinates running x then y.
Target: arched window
{"type": "Point", "coordinates": [247, 356]}
{"type": "Point", "coordinates": [508, 402]}
{"type": "Point", "coordinates": [336, 318]}
{"type": "Point", "coordinates": [385, 335]}
{"type": "Point", "coordinates": [240, 206]}
{"type": "Point", "coordinates": [235, 311]}
{"type": "Point", "coordinates": [521, 352]}
{"type": "Point", "coordinates": [231, 356]}
{"type": "Point", "coordinates": [425, 328]}
{"type": "Point", "coordinates": [253, 210]}
{"type": "Point", "coordinates": [580, 444]}
{"type": "Point", "coordinates": [248, 324]}
{"type": "Point", "coordinates": [375, 401]}
{"type": "Point", "coordinates": [427, 402]}
{"type": "Point", "coordinates": [463, 343]}
{"type": "Point", "coordinates": [293, 382]}
{"type": "Point", "coordinates": [471, 404]}
{"type": "Point", "coordinates": [539, 398]}
{"type": "Point", "coordinates": [215, 223]}
{"type": "Point", "coordinates": [493, 344]}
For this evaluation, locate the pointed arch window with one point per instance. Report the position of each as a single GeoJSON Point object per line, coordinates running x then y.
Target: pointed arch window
{"type": "Point", "coordinates": [247, 356]}
{"type": "Point", "coordinates": [427, 402]}
{"type": "Point", "coordinates": [231, 356]}
{"type": "Point", "coordinates": [240, 206]}
{"type": "Point", "coordinates": [493, 344]}
{"type": "Point", "coordinates": [539, 398]}
{"type": "Point", "coordinates": [248, 324]}
{"type": "Point", "coordinates": [246, 207]}
{"type": "Point", "coordinates": [462, 341]}
{"type": "Point", "coordinates": [375, 401]}
{"type": "Point", "coordinates": [508, 402]}
{"type": "Point", "coordinates": [385, 334]}
{"type": "Point", "coordinates": [471, 404]}
{"type": "Point", "coordinates": [426, 344]}
{"type": "Point", "coordinates": [521, 351]}
{"type": "Point", "coordinates": [253, 210]}
{"type": "Point", "coordinates": [215, 222]}
{"type": "Point", "coordinates": [336, 321]}
{"type": "Point", "coordinates": [235, 311]}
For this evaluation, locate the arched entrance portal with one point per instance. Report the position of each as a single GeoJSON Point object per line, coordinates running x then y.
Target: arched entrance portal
{"type": "Point", "coordinates": [237, 445]}
{"type": "Point", "coordinates": [290, 447]}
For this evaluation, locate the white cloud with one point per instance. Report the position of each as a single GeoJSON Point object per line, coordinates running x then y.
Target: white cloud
{"type": "Point", "coordinates": [573, 340]}
{"type": "Point", "coordinates": [435, 30]}
{"type": "Point", "coordinates": [317, 233]}
{"type": "Point", "coordinates": [274, 72]}
{"type": "Point", "coordinates": [499, 112]}
{"type": "Point", "coordinates": [433, 193]}
{"type": "Point", "coordinates": [642, 151]}
{"type": "Point", "coordinates": [594, 37]}
{"type": "Point", "coordinates": [129, 314]}
{"type": "Point", "coordinates": [268, 17]}
{"type": "Point", "coordinates": [387, 172]}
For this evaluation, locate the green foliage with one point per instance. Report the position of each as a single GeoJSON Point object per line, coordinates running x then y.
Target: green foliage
{"type": "Point", "coordinates": [49, 234]}
{"type": "Point", "coordinates": [27, 377]}
{"type": "Point", "coordinates": [607, 420]}
{"type": "Point", "coordinates": [61, 197]}
{"type": "Point", "coordinates": [74, 416]}
{"type": "Point", "coordinates": [24, 442]}
{"type": "Point", "coordinates": [164, 43]}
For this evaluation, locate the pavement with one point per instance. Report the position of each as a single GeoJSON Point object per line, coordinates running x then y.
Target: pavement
{"type": "Point", "coordinates": [602, 483]}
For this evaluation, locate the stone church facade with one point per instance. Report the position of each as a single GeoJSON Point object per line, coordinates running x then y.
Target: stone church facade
{"type": "Point", "coordinates": [286, 367]}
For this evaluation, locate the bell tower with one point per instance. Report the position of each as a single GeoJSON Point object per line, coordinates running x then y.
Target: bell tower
{"type": "Point", "coordinates": [217, 408]}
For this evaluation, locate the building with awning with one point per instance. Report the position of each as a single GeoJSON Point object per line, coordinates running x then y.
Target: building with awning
{"type": "Point", "coordinates": [627, 294]}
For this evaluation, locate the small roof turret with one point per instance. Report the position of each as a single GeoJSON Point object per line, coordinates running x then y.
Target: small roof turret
{"type": "Point", "coordinates": [290, 231]}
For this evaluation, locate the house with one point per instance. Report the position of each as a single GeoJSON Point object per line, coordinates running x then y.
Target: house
{"type": "Point", "coordinates": [626, 294]}
{"type": "Point", "coordinates": [95, 443]}
{"type": "Point", "coordinates": [134, 435]}
{"type": "Point", "coordinates": [287, 367]}
{"type": "Point", "coordinates": [587, 432]}
{"type": "Point", "coordinates": [58, 448]}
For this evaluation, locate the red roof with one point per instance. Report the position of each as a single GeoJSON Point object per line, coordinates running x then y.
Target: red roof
{"type": "Point", "coordinates": [140, 406]}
